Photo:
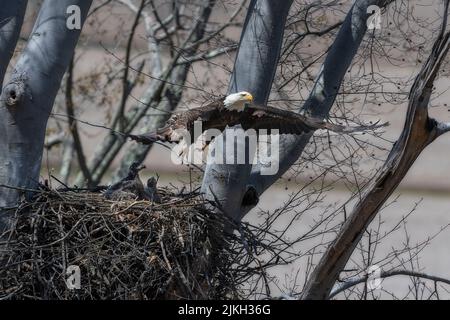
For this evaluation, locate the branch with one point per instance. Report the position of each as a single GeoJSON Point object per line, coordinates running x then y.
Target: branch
{"type": "Point", "coordinates": [386, 274]}
{"type": "Point", "coordinates": [73, 126]}
{"type": "Point", "coordinates": [151, 99]}
{"type": "Point", "coordinates": [204, 56]}
{"type": "Point", "coordinates": [233, 16]}
{"type": "Point", "coordinates": [120, 116]}
{"type": "Point", "coordinates": [173, 92]}
{"type": "Point", "coordinates": [162, 25]}
{"type": "Point", "coordinates": [54, 140]}
{"type": "Point", "coordinates": [418, 132]}
{"type": "Point", "coordinates": [138, 152]}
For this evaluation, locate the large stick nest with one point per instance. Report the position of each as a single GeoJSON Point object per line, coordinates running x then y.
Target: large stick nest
{"type": "Point", "coordinates": [125, 249]}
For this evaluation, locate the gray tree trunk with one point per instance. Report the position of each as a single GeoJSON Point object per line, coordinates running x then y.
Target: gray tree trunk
{"type": "Point", "coordinates": [254, 70]}
{"type": "Point", "coordinates": [27, 99]}
{"type": "Point", "coordinates": [11, 19]}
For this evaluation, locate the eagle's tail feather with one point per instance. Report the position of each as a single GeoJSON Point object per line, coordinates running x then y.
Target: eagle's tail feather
{"type": "Point", "coordinates": [162, 134]}
{"type": "Point", "coordinates": [147, 138]}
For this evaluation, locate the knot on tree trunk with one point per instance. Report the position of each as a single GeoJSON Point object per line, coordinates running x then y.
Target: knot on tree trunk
{"type": "Point", "coordinates": [14, 92]}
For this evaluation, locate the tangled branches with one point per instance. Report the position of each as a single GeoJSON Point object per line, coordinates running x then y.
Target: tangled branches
{"type": "Point", "coordinates": [124, 249]}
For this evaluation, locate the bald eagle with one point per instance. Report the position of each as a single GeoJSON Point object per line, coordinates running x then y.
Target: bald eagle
{"type": "Point", "coordinates": [238, 109]}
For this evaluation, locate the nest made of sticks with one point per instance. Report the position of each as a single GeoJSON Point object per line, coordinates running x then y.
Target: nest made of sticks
{"type": "Point", "coordinates": [124, 249]}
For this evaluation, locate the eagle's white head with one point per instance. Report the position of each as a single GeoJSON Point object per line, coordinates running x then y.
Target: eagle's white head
{"type": "Point", "coordinates": [237, 101]}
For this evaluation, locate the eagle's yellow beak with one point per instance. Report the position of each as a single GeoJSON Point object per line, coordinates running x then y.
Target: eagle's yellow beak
{"type": "Point", "coordinates": [249, 97]}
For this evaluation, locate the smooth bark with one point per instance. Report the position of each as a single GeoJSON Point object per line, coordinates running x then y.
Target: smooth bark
{"type": "Point", "coordinates": [28, 97]}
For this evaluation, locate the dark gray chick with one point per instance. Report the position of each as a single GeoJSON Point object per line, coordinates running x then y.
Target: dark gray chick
{"type": "Point", "coordinates": [130, 187]}
{"type": "Point", "coordinates": [151, 190]}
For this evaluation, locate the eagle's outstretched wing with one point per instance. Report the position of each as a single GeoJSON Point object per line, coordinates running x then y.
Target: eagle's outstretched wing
{"type": "Point", "coordinates": [216, 116]}
{"type": "Point", "coordinates": [288, 122]}
{"type": "Point", "coordinates": [213, 115]}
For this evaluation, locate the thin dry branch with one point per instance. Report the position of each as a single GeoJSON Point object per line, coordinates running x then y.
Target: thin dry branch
{"type": "Point", "coordinates": [387, 274]}
{"type": "Point", "coordinates": [73, 126]}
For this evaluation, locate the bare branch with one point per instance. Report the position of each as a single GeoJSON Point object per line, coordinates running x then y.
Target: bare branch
{"type": "Point", "coordinates": [418, 132]}
{"type": "Point", "coordinates": [386, 274]}
{"type": "Point", "coordinates": [73, 126]}
{"type": "Point", "coordinates": [254, 70]}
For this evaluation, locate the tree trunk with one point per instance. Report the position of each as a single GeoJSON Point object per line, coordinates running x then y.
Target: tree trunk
{"type": "Point", "coordinates": [28, 97]}
{"type": "Point", "coordinates": [254, 70]}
